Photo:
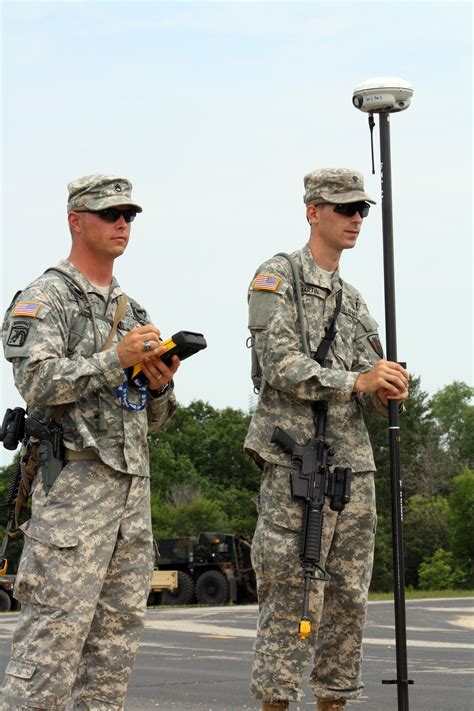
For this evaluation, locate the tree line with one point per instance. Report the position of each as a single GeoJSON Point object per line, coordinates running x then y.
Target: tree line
{"type": "Point", "coordinates": [201, 480]}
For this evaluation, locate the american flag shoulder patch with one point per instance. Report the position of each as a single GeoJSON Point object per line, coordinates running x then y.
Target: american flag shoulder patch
{"type": "Point", "coordinates": [26, 308]}
{"type": "Point", "coordinates": [266, 282]}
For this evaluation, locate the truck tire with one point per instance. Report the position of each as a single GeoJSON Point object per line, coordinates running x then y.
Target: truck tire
{"type": "Point", "coordinates": [153, 599]}
{"type": "Point", "coordinates": [183, 594]}
{"type": "Point", "coordinates": [16, 605]}
{"type": "Point", "coordinates": [212, 588]}
{"type": "Point", "coordinates": [5, 601]}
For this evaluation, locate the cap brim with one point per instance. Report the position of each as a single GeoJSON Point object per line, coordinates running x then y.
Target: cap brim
{"type": "Point", "coordinates": [112, 201]}
{"type": "Point", "coordinates": [343, 198]}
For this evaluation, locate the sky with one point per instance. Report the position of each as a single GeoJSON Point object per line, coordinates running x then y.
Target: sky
{"type": "Point", "coordinates": [215, 111]}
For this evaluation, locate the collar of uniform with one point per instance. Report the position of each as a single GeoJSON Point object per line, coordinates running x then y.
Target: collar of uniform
{"type": "Point", "coordinates": [89, 288]}
{"type": "Point", "coordinates": [312, 274]}
{"type": "Point", "coordinates": [336, 282]}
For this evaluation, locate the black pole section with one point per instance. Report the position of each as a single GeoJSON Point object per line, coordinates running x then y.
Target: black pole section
{"type": "Point", "coordinates": [393, 420]}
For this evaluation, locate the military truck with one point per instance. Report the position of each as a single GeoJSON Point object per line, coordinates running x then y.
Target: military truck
{"type": "Point", "coordinates": [213, 569]}
{"type": "Point", "coordinates": [7, 601]}
{"type": "Point", "coordinates": [161, 581]}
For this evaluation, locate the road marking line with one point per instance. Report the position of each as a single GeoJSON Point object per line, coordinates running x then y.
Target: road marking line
{"type": "Point", "coordinates": [413, 629]}
{"type": "Point", "coordinates": [467, 622]}
{"type": "Point", "coordinates": [464, 610]}
{"type": "Point", "coordinates": [446, 670]}
{"type": "Point", "coordinates": [203, 629]}
{"type": "Point", "coordinates": [420, 643]}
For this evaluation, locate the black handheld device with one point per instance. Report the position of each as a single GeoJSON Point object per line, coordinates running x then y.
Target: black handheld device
{"type": "Point", "coordinates": [183, 344]}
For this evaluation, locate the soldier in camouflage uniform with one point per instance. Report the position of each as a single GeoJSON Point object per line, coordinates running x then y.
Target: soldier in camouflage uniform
{"type": "Point", "coordinates": [360, 377]}
{"type": "Point", "coordinates": [84, 575]}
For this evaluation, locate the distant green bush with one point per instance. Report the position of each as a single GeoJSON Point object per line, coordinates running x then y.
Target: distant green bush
{"type": "Point", "coordinates": [441, 572]}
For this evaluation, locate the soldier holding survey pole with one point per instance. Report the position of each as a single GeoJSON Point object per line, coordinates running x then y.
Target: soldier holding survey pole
{"type": "Point", "coordinates": [353, 376]}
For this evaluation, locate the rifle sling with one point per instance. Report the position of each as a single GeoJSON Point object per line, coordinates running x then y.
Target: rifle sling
{"type": "Point", "coordinates": [28, 472]}
{"type": "Point", "coordinates": [323, 348]}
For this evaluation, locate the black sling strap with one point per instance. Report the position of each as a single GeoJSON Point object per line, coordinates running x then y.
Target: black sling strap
{"type": "Point", "coordinates": [323, 348]}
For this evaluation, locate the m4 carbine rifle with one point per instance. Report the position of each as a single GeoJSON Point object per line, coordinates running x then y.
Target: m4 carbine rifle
{"type": "Point", "coordinates": [312, 481]}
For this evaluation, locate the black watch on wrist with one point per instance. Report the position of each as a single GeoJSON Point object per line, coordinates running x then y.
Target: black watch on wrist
{"type": "Point", "coordinates": [161, 391]}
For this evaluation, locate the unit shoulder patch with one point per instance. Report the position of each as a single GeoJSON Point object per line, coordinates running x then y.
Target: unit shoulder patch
{"type": "Point", "coordinates": [18, 334]}
{"type": "Point", "coordinates": [374, 341]}
{"type": "Point", "coordinates": [266, 282]}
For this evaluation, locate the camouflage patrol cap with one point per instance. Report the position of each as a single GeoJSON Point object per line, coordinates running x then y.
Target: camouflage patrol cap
{"type": "Point", "coordinates": [334, 185]}
{"type": "Point", "coordinates": [96, 192]}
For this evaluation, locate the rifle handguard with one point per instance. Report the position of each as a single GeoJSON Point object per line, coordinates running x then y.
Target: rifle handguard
{"type": "Point", "coordinates": [311, 536]}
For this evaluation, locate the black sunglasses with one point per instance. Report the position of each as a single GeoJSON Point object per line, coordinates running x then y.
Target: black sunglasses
{"type": "Point", "coordinates": [112, 214]}
{"type": "Point", "coordinates": [349, 209]}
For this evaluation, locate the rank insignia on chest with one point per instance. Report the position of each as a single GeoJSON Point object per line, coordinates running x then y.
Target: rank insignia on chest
{"type": "Point", "coordinates": [266, 282]}
{"type": "Point", "coordinates": [26, 308]}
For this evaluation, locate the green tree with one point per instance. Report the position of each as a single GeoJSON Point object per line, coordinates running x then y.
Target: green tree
{"type": "Point", "coordinates": [170, 469]}
{"type": "Point", "coordinates": [213, 441]}
{"type": "Point", "coordinates": [197, 457]}
{"type": "Point", "coordinates": [441, 572]}
{"type": "Point", "coordinates": [238, 505]}
{"type": "Point", "coordinates": [426, 530]}
{"type": "Point", "coordinates": [199, 515]}
{"type": "Point", "coordinates": [461, 520]}
{"type": "Point", "coordinates": [454, 415]}
{"type": "Point", "coordinates": [422, 459]}
{"type": "Point", "coordinates": [436, 440]}
{"type": "Point", "coordinates": [382, 576]}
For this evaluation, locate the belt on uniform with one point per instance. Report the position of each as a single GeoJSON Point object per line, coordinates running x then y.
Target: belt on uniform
{"type": "Point", "coordinates": [72, 455]}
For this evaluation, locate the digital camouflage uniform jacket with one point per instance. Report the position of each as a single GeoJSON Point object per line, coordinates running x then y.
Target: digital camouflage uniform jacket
{"type": "Point", "coordinates": [55, 362]}
{"type": "Point", "coordinates": [292, 380]}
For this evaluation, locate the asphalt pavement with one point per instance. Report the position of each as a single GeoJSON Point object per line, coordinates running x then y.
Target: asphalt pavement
{"type": "Point", "coordinates": [199, 658]}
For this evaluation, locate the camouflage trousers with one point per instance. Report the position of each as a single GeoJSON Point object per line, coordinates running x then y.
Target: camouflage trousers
{"type": "Point", "coordinates": [337, 608]}
{"type": "Point", "coordinates": [83, 583]}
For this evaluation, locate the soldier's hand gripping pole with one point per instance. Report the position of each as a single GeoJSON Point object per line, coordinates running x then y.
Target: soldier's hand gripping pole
{"type": "Point", "coordinates": [311, 481]}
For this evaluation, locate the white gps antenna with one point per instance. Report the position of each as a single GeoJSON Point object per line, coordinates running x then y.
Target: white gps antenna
{"type": "Point", "coordinates": [382, 94]}
{"type": "Point", "coordinates": [389, 94]}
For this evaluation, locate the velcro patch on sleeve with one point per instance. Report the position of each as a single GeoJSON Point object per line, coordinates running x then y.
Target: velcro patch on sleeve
{"type": "Point", "coordinates": [26, 308]}
{"type": "Point", "coordinates": [374, 341]}
{"type": "Point", "coordinates": [18, 334]}
{"type": "Point", "coordinates": [266, 282]}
